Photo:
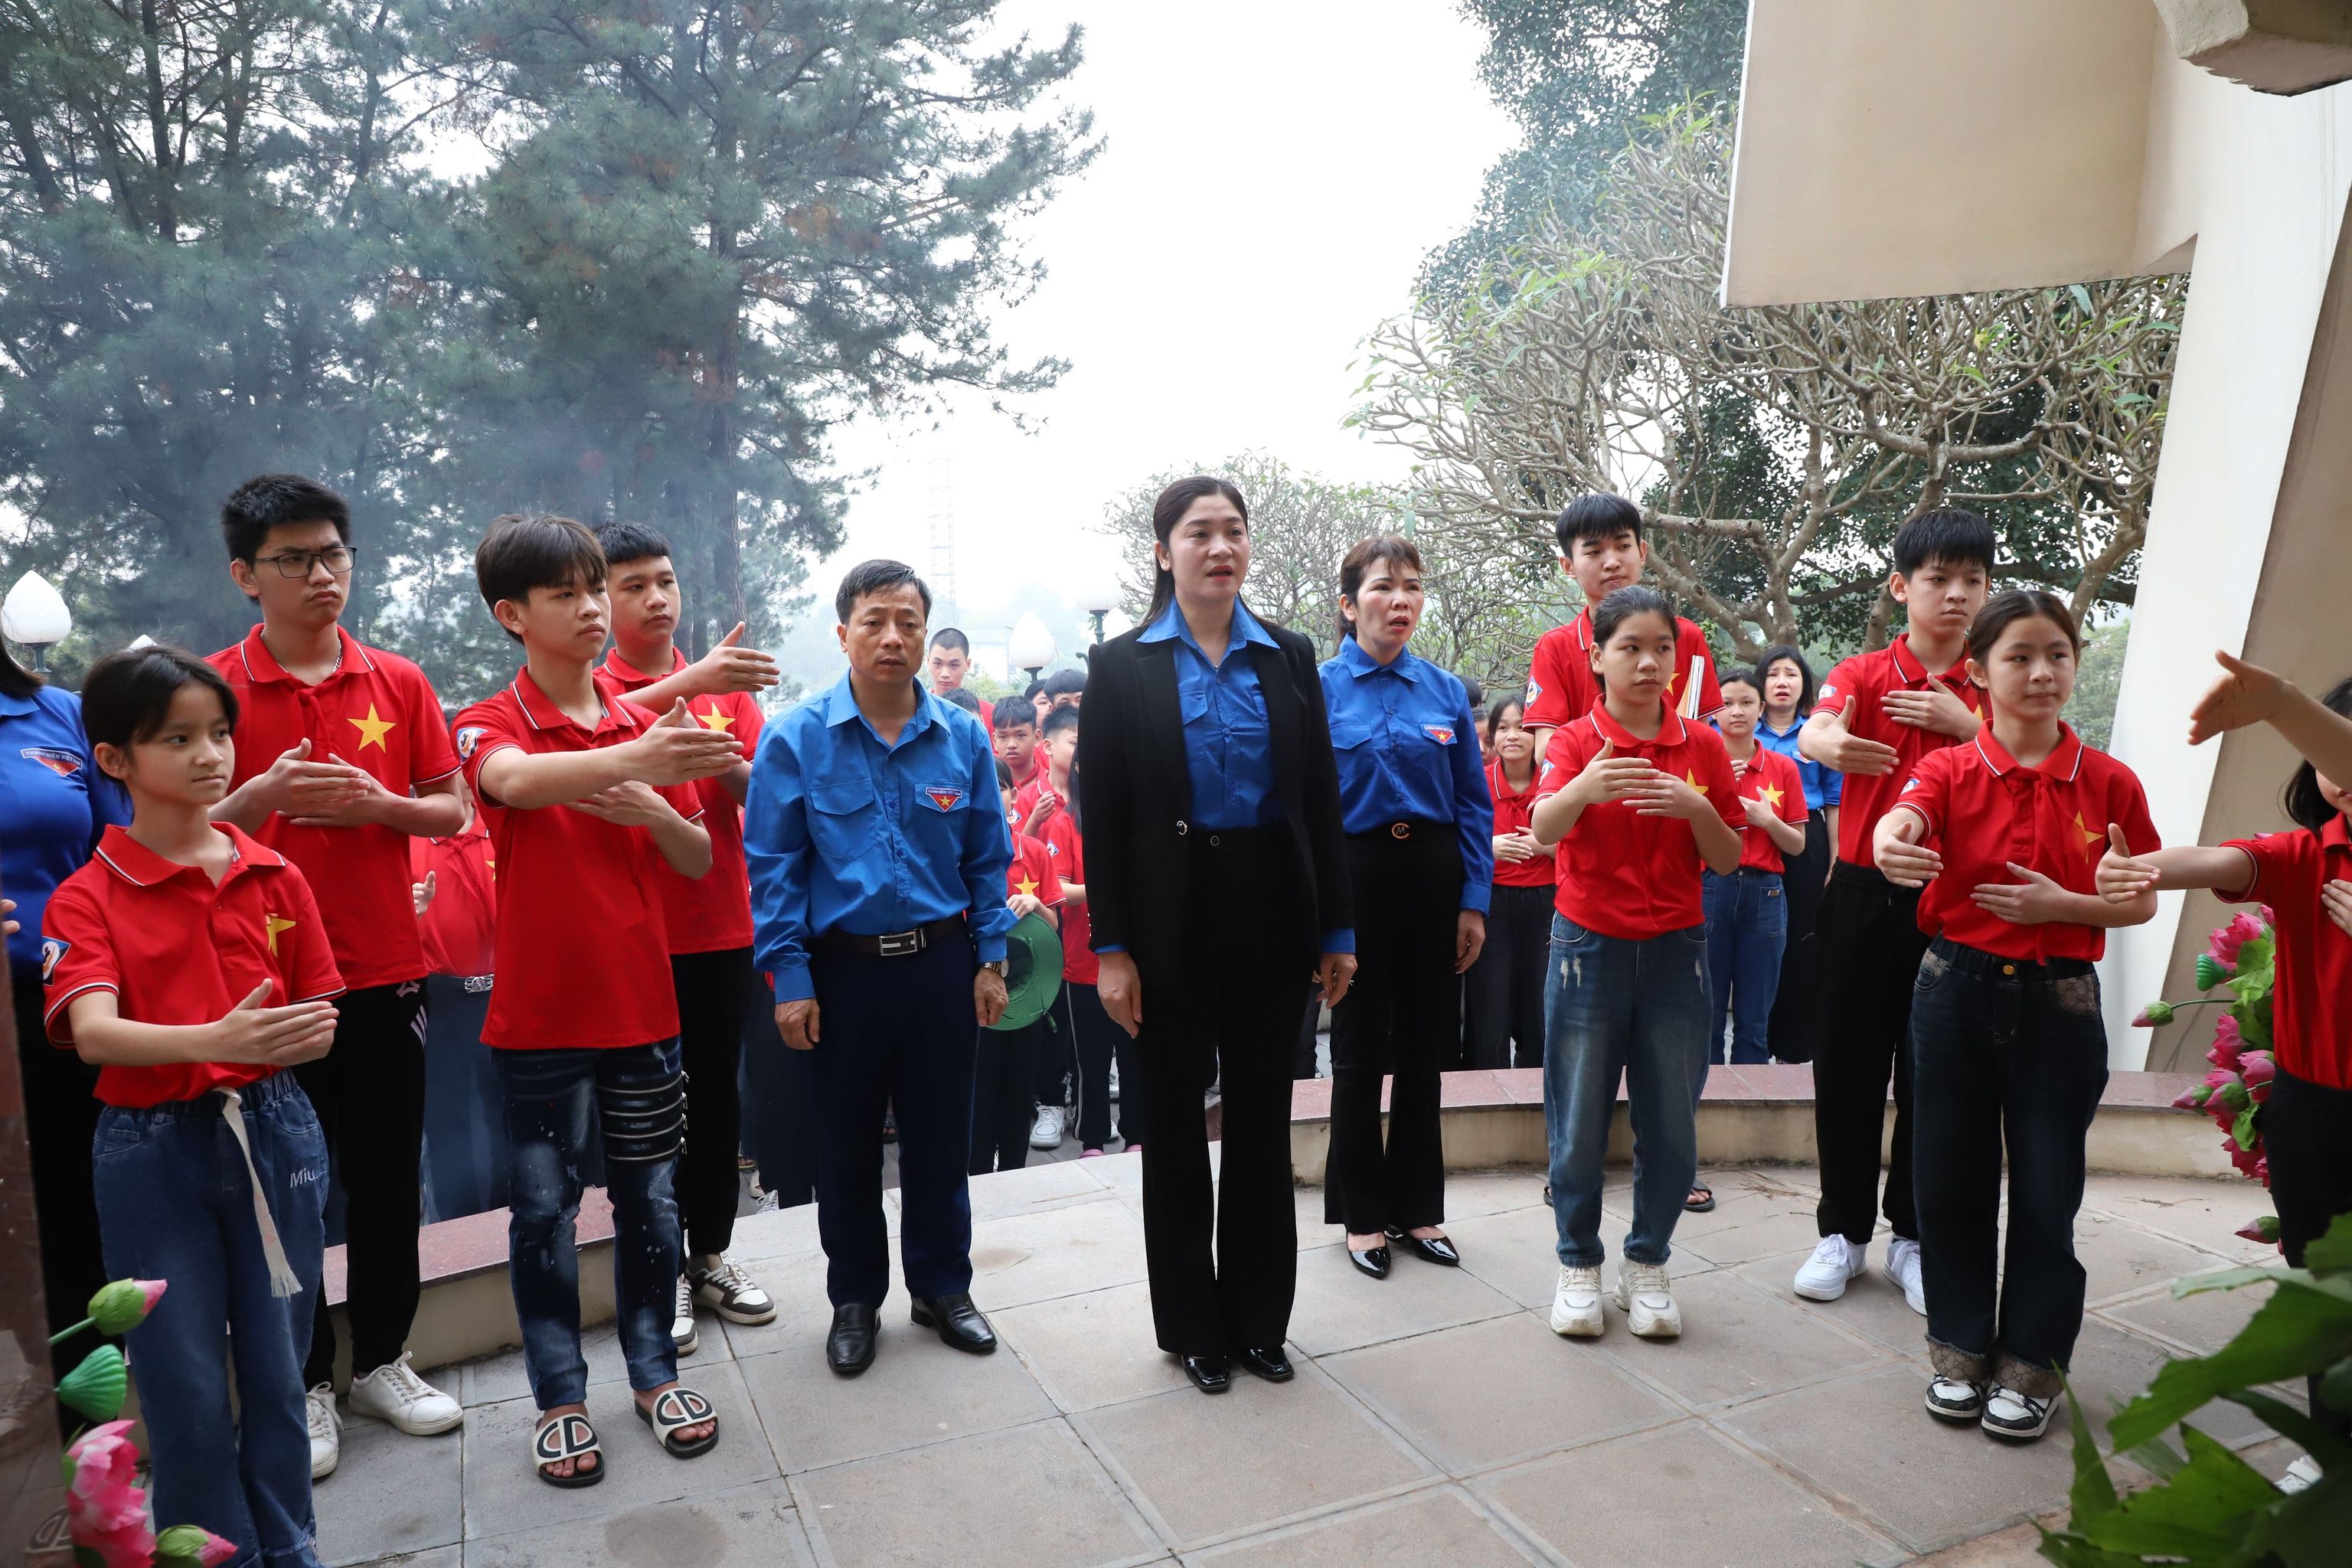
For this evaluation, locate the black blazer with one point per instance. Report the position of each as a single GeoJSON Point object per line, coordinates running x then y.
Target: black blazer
{"type": "Point", "coordinates": [1136, 793]}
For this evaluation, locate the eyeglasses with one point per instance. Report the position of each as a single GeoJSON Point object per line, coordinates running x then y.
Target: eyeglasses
{"type": "Point", "coordinates": [336, 559]}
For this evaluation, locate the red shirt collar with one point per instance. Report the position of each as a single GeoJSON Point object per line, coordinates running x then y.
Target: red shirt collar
{"type": "Point", "coordinates": [259, 666]}
{"type": "Point", "coordinates": [1909, 666]}
{"type": "Point", "coordinates": [630, 676]}
{"type": "Point", "coordinates": [1500, 787]}
{"type": "Point", "coordinates": [1670, 733]}
{"type": "Point", "coordinates": [2337, 833]}
{"type": "Point", "coordinates": [540, 711]}
{"type": "Point", "coordinates": [143, 868]}
{"type": "Point", "coordinates": [2063, 765]}
{"type": "Point", "coordinates": [1582, 628]}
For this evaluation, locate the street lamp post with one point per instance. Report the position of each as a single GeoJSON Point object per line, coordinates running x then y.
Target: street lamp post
{"type": "Point", "coordinates": [36, 614]}
{"type": "Point", "coordinates": [1097, 594]}
{"type": "Point", "coordinates": [1031, 646]}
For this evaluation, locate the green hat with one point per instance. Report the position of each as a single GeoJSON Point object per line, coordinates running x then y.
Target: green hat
{"type": "Point", "coordinates": [1032, 953]}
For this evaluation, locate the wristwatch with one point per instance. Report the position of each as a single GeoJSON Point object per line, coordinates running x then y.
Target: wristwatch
{"type": "Point", "coordinates": [999, 967]}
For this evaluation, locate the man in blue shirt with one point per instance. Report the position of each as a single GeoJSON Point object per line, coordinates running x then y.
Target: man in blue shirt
{"type": "Point", "coordinates": [878, 852]}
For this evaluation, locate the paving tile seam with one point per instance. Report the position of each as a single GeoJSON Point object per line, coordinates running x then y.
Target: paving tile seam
{"type": "Point", "coordinates": [1268, 1535]}
{"type": "Point", "coordinates": [1851, 1510]}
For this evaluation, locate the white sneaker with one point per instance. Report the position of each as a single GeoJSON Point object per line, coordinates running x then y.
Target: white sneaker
{"type": "Point", "coordinates": [1113, 1093]}
{"type": "Point", "coordinates": [1902, 1267]}
{"type": "Point", "coordinates": [1647, 1301]}
{"type": "Point", "coordinates": [2301, 1475]}
{"type": "Point", "coordinates": [393, 1392]}
{"type": "Point", "coordinates": [682, 1332]}
{"type": "Point", "coordinates": [1576, 1303]}
{"type": "Point", "coordinates": [1823, 1276]}
{"type": "Point", "coordinates": [721, 1284]}
{"type": "Point", "coordinates": [326, 1431]}
{"type": "Point", "coordinates": [2015, 1417]}
{"type": "Point", "coordinates": [1048, 1132]}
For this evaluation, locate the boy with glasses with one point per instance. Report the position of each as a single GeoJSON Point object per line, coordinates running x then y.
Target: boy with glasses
{"type": "Point", "coordinates": [342, 758]}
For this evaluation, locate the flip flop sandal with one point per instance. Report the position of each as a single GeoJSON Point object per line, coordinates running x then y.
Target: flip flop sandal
{"type": "Point", "coordinates": [567, 1437]}
{"type": "Point", "coordinates": [1697, 1204]}
{"type": "Point", "coordinates": [676, 1409]}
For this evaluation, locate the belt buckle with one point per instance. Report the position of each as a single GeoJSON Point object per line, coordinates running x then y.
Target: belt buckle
{"type": "Point", "coordinates": [1400, 830]}
{"type": "Point", "coordinates": [900, 944]}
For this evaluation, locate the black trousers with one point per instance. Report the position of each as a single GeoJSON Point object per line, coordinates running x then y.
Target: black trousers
{"type": "Point", "coordinates": [2306, 1129]}
{"type": "Point", "coordinates": [1869, 941]}
{"type": "Point", "coordinates": [1791, 1030]}
{"type": "Point", "coordinates": [777, 1090]}
{"type": "Point", "coordinates": [61, 1124]}
{"type": "Point", "coordinates": [1004, 1068]}
{"type": "Point", "coordinates": [1401, 1018]}
{"type": "Point", "coordinates": [711, 998]}
{"type": "Point", "coordinates": [1231, 995]}
{"type": "Point", "coordinates": [897, 1032]}
{"type": "Point", "coordinates": [369, 1092]}
{"type": "Point", "coordinates": [1101, 1042]}
{"type": "Point", "coordinates": [1302, 1057]}
{"type": "Point", "coordinates": [1054, 1069]}
{"type": "Point", "coordinates": [1506, 984]}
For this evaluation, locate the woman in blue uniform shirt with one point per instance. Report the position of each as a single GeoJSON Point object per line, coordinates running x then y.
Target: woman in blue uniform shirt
{"type": "Point", "coordinates": [1414, 805]}
{"type": "Point", "coordinates": [1786, 682]}
{"type": "Point", "coordinates": [54, 804]}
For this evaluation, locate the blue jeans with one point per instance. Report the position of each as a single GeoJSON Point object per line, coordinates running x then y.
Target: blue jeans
{"type": "Point", "coordinates": [176, 1203]}
{"type": "Point", "coordinates": [635, 1096]}
{"type": "Point", "coordinates": [1638, 1008]}
{"type": "Point", "coordinates": [1747, 927]}
{"type": "Point", "coordinates": [2006, 1058]}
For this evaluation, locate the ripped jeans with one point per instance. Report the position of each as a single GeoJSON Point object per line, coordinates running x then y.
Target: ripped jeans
{"type": "Point", "coordinates": [1639, 1008]}
{"type": "Point", "coordinates": [637, 1096]}
{"type": "Point", "coordinates": [2004, 1055]}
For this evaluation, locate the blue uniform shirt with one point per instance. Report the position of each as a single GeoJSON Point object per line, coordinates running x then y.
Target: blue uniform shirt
{"type": "Point", "coordinates": [1407, 745]}
{"type": "Point", "coordinates": [843, 833]}
{"type": "Point", "coordinates": [1824, 786]}
{"type": "Point", "coordinates": [54, 805]}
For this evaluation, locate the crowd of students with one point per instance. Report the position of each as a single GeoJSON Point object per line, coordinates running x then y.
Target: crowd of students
{"type": "Point", "coordinates": [1627, 874]}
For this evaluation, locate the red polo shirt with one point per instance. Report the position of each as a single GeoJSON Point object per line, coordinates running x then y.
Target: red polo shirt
{"type": "Point", "coordinates": [175, 948]}
{"type": "Point", "coordinates": [459, 927]}
{"type": "Point", "coordinates": [1621, 873]}
{"type": "Point", "coordinates": [1560, 684]}
{"type": "Point", "coordinates": [1068, 847]}
{"type": "Point", "coordinates": [2311, 1009]}
{"type": "Point", "coordinates": [1984, 810]}
{"type": "Point", "coordinates": [1512, 813]}
{"type": "Point", "coordinates": [1771, 777]}
{"type": "Point", "coordinates": [582, 951]}
{"type": "Point", "coordinates": [1032, 871]}
{"type": "Point", "coordinates": [376, 712]}
{"type": "Point", "coordinates": [1855, 689]}
{"type": "Point", "coordinates": [710, 913]}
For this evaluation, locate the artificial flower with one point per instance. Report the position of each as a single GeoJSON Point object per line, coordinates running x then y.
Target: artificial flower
{"type": "Point", "coordinates": [123, 1305]}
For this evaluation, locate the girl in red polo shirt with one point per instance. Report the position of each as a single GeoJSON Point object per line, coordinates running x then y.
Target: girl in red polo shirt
{"type": "Point", "coordinates": [1640, 801]}
{"type": "Point", "coordinates": [2008, 1048]}
{"type": "Point", "coordinates": [1506, 984]}
{"type": "Point", "coordinates": [2306, 878]}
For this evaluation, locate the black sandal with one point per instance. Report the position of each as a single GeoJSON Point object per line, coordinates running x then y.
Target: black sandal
{"type": "Point", "coordinates": [675, 1410]}
{"type": "Point", "coordinates": [1701, 1200]}
{"type": "Point", "coordinates": [567, 1437]}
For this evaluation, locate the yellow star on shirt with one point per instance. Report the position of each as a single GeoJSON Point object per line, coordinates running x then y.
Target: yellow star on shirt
{"type": "Point", "coordinates": [372, 729]}
{"type": "Point", "coordinates": [715, 719]}
{"type": "Point", "coordinates": [1771, 795]}
{"type": "Point", "coordinates": [1691, 778]}
{"type": "Point", "coordinates": [275, 924]}
{"type": "Point", "coordinates": [2090, 836]}
{"type": "Point", "coordinates": [1027, 887]}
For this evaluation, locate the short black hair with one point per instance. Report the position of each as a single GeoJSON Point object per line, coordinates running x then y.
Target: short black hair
{"type": "Point", "coordinates": [520, 553]}
{"type": "Point", "coordinates": [1635, 599]}
{"type": "Point", "coordinates": [1943, 535]}
{"type": "Point", "coordinates": [948, 637]}
{"type": "Point", "coordinates": [1066, 683]}
{"type": "Point", "coordinates": [274, 501]}
{"type": "Point", "coordinates": [2003, 610]}
{"type": "Point", "coordinates": [1504, 705]}
{"type": "Point", "coordinates": [1012, 712]}
{"type": "Point", "coordinates": [624, 541]}
{"type": "Point", "coordinates": [1474, 688]}
{"type": "Point", "coordinates": [1795, 656]}
{"type": "Point", "coordinates": [876, 577]}
{"type": "Point", "coordinates": [1599, 516]}
{"type": "Point", "coordinates": [960, 698]}
{"type": "Point", "coordinates": [1036, 689]}
{"type": "Point", "coordinates": [1003, 774]}
{"type": "Point", "coordinates": [1739, 675]}
{"type": "Point", "coordinates": [1057, 720]}
{"type": "Point", "coordinates": [128, 695]}
{"type": "Point", "coordinates": [2304, 803]}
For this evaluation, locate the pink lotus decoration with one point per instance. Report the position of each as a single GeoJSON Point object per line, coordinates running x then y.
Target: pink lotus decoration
{"type": "Point", "coordinates": [2241, 959]}
{"type": "Point", "coordinates": [105, 1510]}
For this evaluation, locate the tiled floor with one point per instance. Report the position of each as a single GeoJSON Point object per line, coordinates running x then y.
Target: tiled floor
{"type": "Point", "coordinates": [1435, 1418]}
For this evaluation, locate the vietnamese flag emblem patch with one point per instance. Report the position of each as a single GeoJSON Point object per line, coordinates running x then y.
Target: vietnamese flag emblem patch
{"type": "Point", "coordinates": [1441, 733]}
{"type": "Point", "coordinates": [945, 799]}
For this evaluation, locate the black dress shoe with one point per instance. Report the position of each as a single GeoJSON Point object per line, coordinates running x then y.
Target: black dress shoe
{"type": "Point", "coordinates": [1271, 1365]}
{"type": "Point", "coordinates": [1428, 1249]}
{"type": "Point", "coordinates": [958, 1321]}
{"type": "Point", "coordinates": [1209, 1373]}
{"type": "Point", "coordinates": [849, 1348]}
{"type": "Point", "coordinates": [1372, 1261]}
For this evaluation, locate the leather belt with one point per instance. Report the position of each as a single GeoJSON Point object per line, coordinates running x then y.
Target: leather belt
{"type": "Point", "coordinates": [890, 944]}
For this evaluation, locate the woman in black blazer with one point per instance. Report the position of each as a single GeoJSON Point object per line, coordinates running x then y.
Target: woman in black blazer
{"type": "Point", "coordinates": [1217, 882]}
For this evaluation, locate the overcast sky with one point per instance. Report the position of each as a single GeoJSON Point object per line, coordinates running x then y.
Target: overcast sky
{"type": "Point", "coordinates": [1274, 173]}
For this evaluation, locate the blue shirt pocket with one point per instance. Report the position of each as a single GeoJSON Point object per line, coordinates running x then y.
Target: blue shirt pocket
{"type": "Point", "coordinates": [844, 821]}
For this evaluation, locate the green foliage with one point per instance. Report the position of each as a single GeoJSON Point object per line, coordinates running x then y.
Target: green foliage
{"type": "Point", "coordinates": [2209, 1508]}
{"type": "Point", "coordinates": [2098, 680]}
